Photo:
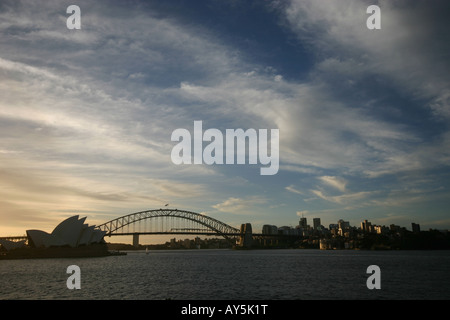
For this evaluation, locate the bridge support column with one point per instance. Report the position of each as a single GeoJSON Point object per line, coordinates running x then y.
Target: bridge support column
{"type": "Point", "coordinates": [246, 237]}
{"type": "Point", "coordinates": [136, 240]}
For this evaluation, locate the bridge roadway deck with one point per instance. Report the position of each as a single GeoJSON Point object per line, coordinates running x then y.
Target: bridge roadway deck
{"type": "Point", "coordinates": [262, 235]}
{"type": "Point", "coordinates": [13, 238]}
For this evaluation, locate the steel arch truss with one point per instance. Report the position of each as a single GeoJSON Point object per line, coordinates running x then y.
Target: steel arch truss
{"type": "Point", "coordinates": [217, 227]}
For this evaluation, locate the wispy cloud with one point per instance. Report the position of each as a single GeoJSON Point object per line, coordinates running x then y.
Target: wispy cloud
{"type": "Point", "coordinates": [246, 205]}
{"type": "Point", "coordinates": [335, 182]}
{"type": "Point", "coordinates": [343, 199]}
{"type": "Point", "coordinates": [349, 56]}
{"type": "Point", "coordinates": [292, 189]}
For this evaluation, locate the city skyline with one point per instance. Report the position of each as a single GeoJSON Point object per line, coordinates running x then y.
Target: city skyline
{"type": "Point", "coordinates": [86, 115]}
{"type": "Point", "coordinates": [303, 226]}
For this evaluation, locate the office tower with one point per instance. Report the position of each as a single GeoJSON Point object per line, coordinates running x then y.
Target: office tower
{"type": "Point", "coordinates": [316, 223]}
{"type": "Point", "coordinates": [366, 226]}
{"type": "Point", "coordinates": [303, 223]}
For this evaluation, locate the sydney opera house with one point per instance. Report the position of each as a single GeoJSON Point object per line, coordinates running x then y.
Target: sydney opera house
{"type": "Point", "coordinates": [72, 237]}
{"type": "Point", "coordinates": [72, 232]}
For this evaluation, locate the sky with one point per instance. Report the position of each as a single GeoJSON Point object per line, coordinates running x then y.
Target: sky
{"type": "Point", "coordinates": [86, 115]}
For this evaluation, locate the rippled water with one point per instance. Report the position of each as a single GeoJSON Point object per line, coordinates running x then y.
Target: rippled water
{"type": "Point", "coordinates": [229, 274]}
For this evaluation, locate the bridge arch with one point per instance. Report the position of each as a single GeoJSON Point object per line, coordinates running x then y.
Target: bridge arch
{"type": "Point", "coordinates": [213, 226]}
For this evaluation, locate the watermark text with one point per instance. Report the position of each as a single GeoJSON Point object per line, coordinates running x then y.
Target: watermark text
{"type": "Point", "coordinates": [234, 143]}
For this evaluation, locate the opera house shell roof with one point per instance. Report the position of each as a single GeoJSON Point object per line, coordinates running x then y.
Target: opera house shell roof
{"type": "Point", "coordinates": [71, 232]}
{"type": "Point", "coordinates": [10, 245]}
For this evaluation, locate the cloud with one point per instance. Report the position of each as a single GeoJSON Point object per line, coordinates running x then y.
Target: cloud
{"type": "Point", "coordinates": [407, 51]}
{"type": "Point", "coordinates": [345, 198]}
{"type": "Point", "coordinates": [316, 130]}
{"type": "Point", "coordinates": [292, 189]}
{"type": "Point", "coordinates": [278, 78]}
{"type": "Point", "coordinates": [335, 182]}
{"type": "Point", "coordinates": [176, 189]}
{"type": "Point", "coordinates": [300, 169]}
{"type": "Point", "coordinates": [346, 107]}
{"type": "Point", "coordinates": [69, 112]}
{"type": "Point", "coordinates": [245, 205]}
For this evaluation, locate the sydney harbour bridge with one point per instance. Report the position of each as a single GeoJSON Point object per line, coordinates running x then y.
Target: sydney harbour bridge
{"type": "Point", "coordinates": [175, 221]}
{"type": "Point", "coordinates": [168, 221]}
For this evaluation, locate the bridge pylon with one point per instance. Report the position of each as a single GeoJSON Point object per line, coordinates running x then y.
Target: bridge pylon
{"type": "Point", "coordinates": [136, 240]}
{"type": "Point", "coordinates": [246, 236]}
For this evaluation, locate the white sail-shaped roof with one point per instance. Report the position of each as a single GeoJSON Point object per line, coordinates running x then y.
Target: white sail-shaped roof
{"type": "Point", "coordinates": [9, 245]}
{"type": "Point", "coordinates": [70, 232]}
{"type": "Point", "coordinates": [97, 236]}
{"type": "Point", "coordinates": [41, 238]}
{"type": "Point", "coordinates": [86, 235]}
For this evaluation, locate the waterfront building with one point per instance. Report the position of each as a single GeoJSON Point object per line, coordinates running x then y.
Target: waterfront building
{"type": "Point", "coordinates": [285, 230]}
{"type": "Point", "coordinates": [343, 227]}
{"type": "Point", "coordinates": [415, 227]}
{"type": "Point", "coordinates": [324, 244]}
{"type": "Point", "coordinates": [366, 226]}
{"type": "Point", "coordinates": [269, 229]}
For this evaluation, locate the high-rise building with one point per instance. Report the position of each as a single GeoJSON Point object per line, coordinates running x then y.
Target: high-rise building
{"type": "Point", "coordinates": [415, 227]}
{"type": "Point", "coordinates": [316, 223]}
{"type": "Point", "coordinates": [343, 224]}
{"type": "Point", "coordinates": [269, 229]}
{"type": "Point", "coordinates": [303, 223]}
{"type": "Point", "coordinates": [366, 226]}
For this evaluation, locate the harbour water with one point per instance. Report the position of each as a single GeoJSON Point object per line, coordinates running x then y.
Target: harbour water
{"type": "Point", "coordinates": [233, 275]}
